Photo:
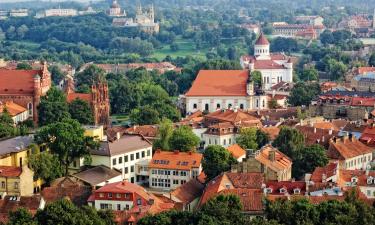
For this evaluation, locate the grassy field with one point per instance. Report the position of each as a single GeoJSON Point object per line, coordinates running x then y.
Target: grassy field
{"type": "Point", "coordinates": [186, 47]}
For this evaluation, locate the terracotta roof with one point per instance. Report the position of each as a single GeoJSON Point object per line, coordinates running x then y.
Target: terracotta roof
{"type": "Point", "coordinates": [123, 187]}
{"type": "Point", "coordinates": [281, 162]}
{"type": "Point", "coordinates": [175, 160]}
{"type": "Point", "coordinates": [288, 186]}
{"type": "Point", "coordinates": [362, 70]}
{"type": "Point", "coordinates": [272, 131]}
{"type": "Point", "coordinates": [360, 101]}
{"type": "Point", "coordinates": [267, 64]}
{"type": "Point", "coordinates": [368, 135]}
{"type": "Point", "coordinates": [97, 175]}
{"type": "Point", "coordinates": [10, 171]}
{"type": "Point", "coordinates": [245, 185]}
{"type": "Point", "coordinates": [73, 96]}
{"type": "Point", "coordinates": [17, 81]}
{"type": "Point", "coordinates": [127, 143]}
{"type": "Point", "coordinates": [12, 108]}
{"type": "Point", "coordinates": [236, 151]}
{"type": "Point", "coordinates": [219, 83]}
{"type": "Point", "coordinates": [344, 148]}
{"type": "Point", "coordinates": [189, 191]}
{"type": "Point", "coordinates": [262, 40]}
{"type": "Point", "coordinates": [8, 204]}
{"type": "Point", "coordinates": [145, 130]}
{"type": "Point", "coordinates": [329, 170]}
{"type": "Point", "coordinates": [326, 125]}
{"type": "Point", "coordinates": [67, 188]}
{"type": "Point", "coordinates": [233, 116]}
{"type": "Point", "coordinates": [317, 135]}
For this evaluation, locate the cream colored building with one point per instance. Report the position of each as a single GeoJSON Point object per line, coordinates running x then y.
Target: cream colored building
{"type": "Point", "coordinates": [16, 181]}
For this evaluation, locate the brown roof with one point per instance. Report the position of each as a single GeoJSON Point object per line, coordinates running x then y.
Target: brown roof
{"type": "Point", "coordinates": [175, 160]}
{"type": "Point", "coordinates": [262, 40]}
{"type": "Point", "coordinates": [189, 191]}
{"type": "Point", "coordinates": [83, 96]}
{"type": "Point", "coordinates": [233, 116]}
{"type": "Point", "coordinates": [17, 81]}
{"type": "Point", "coordinates": [127, 143]}
{"type": "Point", "coordinates": [145, 130]}
{"type": "Point", "coordinates": [317, 135]}
{"type": "Point", "coordinates": [345, 148]}
{"type": "Point", "coordinates": [272, 131]}
{"type": "Point", "coordinates": [97, 175]}
{"type": "Point", "coordinates": [236, 151]}
{"type": "Point", "coordinates": [281, 162]}
{"type": "Point", "coordinates": [328, 170]}
{"type": "Point", "coordinates": [219, 83]}
{"type": "Point", "coordinates": [9, 204]}
{"type": "Point", "coordinates": [12, 108]}
{"type": "Point", "coordinates": [10, 171]}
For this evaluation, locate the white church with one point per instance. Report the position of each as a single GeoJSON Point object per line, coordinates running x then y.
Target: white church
{"type": "Point", "coordinates": [214, 90]}
{"type": "Point", "coordinates": [275, 67]}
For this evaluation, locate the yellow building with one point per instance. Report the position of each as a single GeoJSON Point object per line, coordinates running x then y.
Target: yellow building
{"type": "Point", "coordinates": [97, 132]}
{"type": "Point", "coordinates": [16, 181]}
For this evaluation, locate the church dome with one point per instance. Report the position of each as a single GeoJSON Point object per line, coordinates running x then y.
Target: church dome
{"type": "Point", "coordinates": [115, 5]}
{"type": "Point", "coordinates": [262, 40]}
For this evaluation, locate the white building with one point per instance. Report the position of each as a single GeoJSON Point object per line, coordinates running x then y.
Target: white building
{"type": "Point", "coordinates": [58, 12]}
{"type": "Point", "coordinates": [17, 112]}
{"type": "Point", "coordinates": [168, 170]}
{"type": "Point", "coordinates": [19, 13]}
{"type": "Point", "coordinates": [274, 67]}
{"type": "Point", "coordinates": [129, 154]}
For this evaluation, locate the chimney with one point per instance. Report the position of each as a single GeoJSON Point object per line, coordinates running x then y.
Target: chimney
{"type": "Point", "coordinates": [272, 155]}
{"type": "Point", "coordinates": [314, 130]}
{"type": "Point", "coordinates": [350, 136]}
{"type": "Point", "coordinates": [324, 178]}
{"type": "Point", "coordinates": [176, 152]}
{"type": "Point", "coordinates": [118, 136]}
{"type": "Point", "coordinates": [330, 131]}
{"type": "Point", "coordinates": [249, 153]}
{"type": "Point", "coordinates": [190, 152]}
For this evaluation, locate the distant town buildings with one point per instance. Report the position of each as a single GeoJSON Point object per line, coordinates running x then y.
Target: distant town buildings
{"type": "Point", "coordinates": [57, 12]}
{"type": "Point", "coordinates": [144, 20]}
{"type": "Point", "coordinates": [161, 67]}
{"type": "Point", "coordinates": [4, 14]}
{"type": "Point", "coordinates": [306, 31]}
{"type": "Point", "coordinates": [312, 20]}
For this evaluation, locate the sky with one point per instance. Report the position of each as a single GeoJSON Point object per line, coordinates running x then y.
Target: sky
{"type": "Point", "coordinates": [4, 1]}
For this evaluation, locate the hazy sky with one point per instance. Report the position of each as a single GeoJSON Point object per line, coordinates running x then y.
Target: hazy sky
{"type": "Point", "coordinates": [3, 1]}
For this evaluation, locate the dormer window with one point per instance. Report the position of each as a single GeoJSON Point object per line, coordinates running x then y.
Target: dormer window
{"type": "Point", "coordinates": [297, 191]}
{"type": "Point", "coordinates": [282, 190]}
{"type": "Point", "coordinates": [268, 190]}
{"type": "Point", "coordinates": [354, 180]}
{"type": "Point", "coordinates": [370, 180]}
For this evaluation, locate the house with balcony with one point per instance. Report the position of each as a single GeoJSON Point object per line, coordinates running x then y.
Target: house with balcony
{"type": "Point", "coordinates": [169, 170]}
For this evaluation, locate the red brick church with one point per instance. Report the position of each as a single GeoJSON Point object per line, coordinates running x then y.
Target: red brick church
{"type": "Point", "coordinates": [25, 87]}
{"type": "Point", "coordinates": [98, 99]}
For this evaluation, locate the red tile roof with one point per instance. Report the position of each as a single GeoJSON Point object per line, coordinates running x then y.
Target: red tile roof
{"type": "Point", "coordinates": [233, 116]}
{"type": "Point", "coordinates": [175, 160]}
{"type": "Point", "coordinates": [189, 191]}
{"type": "Point", "coordinates": [262, 40]}
{"type": "Point", "coordinates": [10, 171]}
{"type": "Point", "coordinates": [145, 130]}
{"type": "Point", "coordinates": [344, 148]}
{"type": "Point", "coordinates": [124, 187]}
{"type": "Point", "coordinates": [219, 83]}
{"type": "Point", "coordinates": [236, 151]}
{"type": "Point", "coordinates": [368, 136]}
{"type": "Point", "coordinates": [360, 101]}
{"type": "Point", "coordinates": [12, 108]}
{"type": "Point", "coordinates": [281, 162]}
{"type": "Point", "coordinates": [267, 64]}
{"type": "Point", "coordinates": [317, 135]}
{"type": "Point", "coordinates": [72, 96]}
{"type": "Point", "coordinates": [289, 187]}
{"type": "Point", "coordinates": [363, 70]}
{"type": "Point", "coordinates": [273, 132]}
{"type": "Point", "coordinates": [17, 81]}
{"type": "Point", "coordinates": [329, 170]}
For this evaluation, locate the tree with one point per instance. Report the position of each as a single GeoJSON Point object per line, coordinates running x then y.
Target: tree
{"type": "Point", "coordinates": [289, 141]}
{"type": "Point", "coordinates": [307, 159]}
{"type": "Point", "coordinates": [144, 115]}
{"type": "Point", "coordinates": [23, 66]}
{"type": "Point", "coordinates": [174, 47]}
{"type": "Point", "coordinates": [183, 139]}
{"type": "Point", "coordinates": [89, 76]}
{"type": "Point", "coordinates": [336, 69]}
{"type": "Point", "coordinates": [371, 61]}
{"type": "Point", "coordinates": [216, 159]}
{"type": "Point", "coordinates": [53, 107]}
{"type": "Point", "coordinates": [21, 216]}
{"type": "Point", "coordinates": [262, 138]}
{"type": "Point", "coordinates": [46, 166]}
{"type": "Point", "coordinates": [303, 93]}
{"type": "Point", "coordinates": [81, 111]}
{"type": "Point", "coordinates": [65, 139]}
{"type": "Point", "coordinates": [247, 138]}
{"type": "Point", "coordinates": [309, 74]}
{"type": "Point", "coordinates": [6, 124]}
{"type": "Point", "coordinates": [164, 135]}
{"type": "Point", "coordinates": [56, 74]}
{"type": "Point", "coordinates": [257, 78]}
{"type": "Point", "coordinates": [272, 104]}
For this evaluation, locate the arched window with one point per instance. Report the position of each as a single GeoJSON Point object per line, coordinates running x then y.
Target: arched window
{"type": "Point", "coordinates": [194, 106]}
{"type": "Point", "coordinates": [206, 107]}
{"type": "Point", "coordinates": [225, 141]}
{"type": "Point", "coordinates": [257, 103]}
{"type": "Point", "coordinates": [263, 103]}
{"type": "Point", "coordinates": [229, 106]}
{"type": "Point", "coordinates": [241, 106]}
{"type": "Point", "coordinates": [30, 108]}
{"type": "Point", "coordinates": [218, 106]}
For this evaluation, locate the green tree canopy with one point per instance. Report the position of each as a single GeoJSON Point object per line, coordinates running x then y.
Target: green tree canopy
{"type": "Point", "coordinates": [145, 115]}
{"type": "Point", "coordinates": [303, 93]}
{"type": "Point", "coordinates": [56, 74]}
{"type": "Point", "coordinates": [289, 141]}
{"type": "Point", "coordinates": [307, 159]}
{"type": "Point", "coordinates": [247, 138]}
{"type": "Point", "coordinates": [216, 160]}
{"type": "Point", "coordinates": [24, 66]}
{"type": "Point", "coordinates": [183, 139]}
{"type": "Point", "coordinates": [89, 76]}
{"type": "Point", "coordinates": [6, 124]}
{"type": "Point", "coordinates": [65, 139]}
{"type": "Point", "coordinates": [46, 166]}
{"type": "Point", "coordinates": [164, 135]}
{"type": "Point", "coordinates": [53, 107]}
{"type": "Point", "coordinates": [309, 74]}
{"type": "Point", "coordinates": [257, 78]}
{"type": "Point", "coordinates": [81, 111]}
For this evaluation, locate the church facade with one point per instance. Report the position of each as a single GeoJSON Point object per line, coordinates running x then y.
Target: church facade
{"type": "Point", "coordinates": [274, 67]}
{"type": "Point", "coordinates": [25, 88]}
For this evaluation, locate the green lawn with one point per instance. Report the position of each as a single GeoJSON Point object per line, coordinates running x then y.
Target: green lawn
{"type": "Point", "coordinates": [186, 47]}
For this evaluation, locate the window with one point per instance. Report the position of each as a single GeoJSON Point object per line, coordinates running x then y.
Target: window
{"type": "Point", "coordinates": [225, 142]}
{"type": "Point", "coordinates": [183, 181]}
{"type": "Point", "coordinates": [175, 181]}
{"type": "Point", "coordinates": [263, 103]}
{"type": "Point", "coordinates": [137, 155]}
{"type": "Point", "coordinates": [183, 173]}
{"type": "Point", "coordinates": [215, 142]}
{"type": "Point", "coordinates": [74, 163]}
{"type": "Point", "coordinates": [114, 161]}
{"type": "Point", "coordinates": [118, 207]}
{"type": "Point", "coordinates": [132, 169]}
{"type": "Point", "coordinates": [126, 158]}
{"type": "Point", "coordinates": [241, 106]}
{"type": "Point", "coordinates": [230, 140]}
{"type": "Point", "coordinates": [15, 185]}
{"type": "Point", "coordinates": [368, 193]}
{"type": "Point", "coordinates": [126, 196]}
{"type": "Point", "coordinates": [143, 154]}
{"type": "Point", "coordinates": [109, 195]}
{"type": "Point", "coordinates": [154, 172]}
{"type": "Point", "coordinates": [101, 195]}
{"type": "Point", "coordinates": [229, 106]}
{"type": "Point", "coordinates": [126, 170]}
{"type": "Point", "coordinates": [30, 108]}
{"type": "Point", "coordinates": [2, 184]}
{"type": "Point", "coordinates": [268, 80]}
{"type": "Point", "coordinates": [120, 160]}
{"type": "Point", "coordinates": [139, 202]}
{"type": "Point", "coordinates": [132, 179]}
{"type": "Point", "coordinates": [131, 157]}
{"type": "Point", "coordinates": [21, 162]}
{"type": "Point", "coordinates": [148, 152]}
{"type": "Point", "coordinates": [126, 207]}
{"type": "Point", "coordinates": [175, 173]}
{"type": "Point", "coordinates": [209, 141]}
{"type": "Point", "coordinates": [194, 106]}
{"type": "Point", "coordinates": [206, 107]}
{"type": "Point", "coordinates": [118, 195]}
{"type": "Point", "coordinates": [218, 106]}
{"type": "Point", "coordinates": [257, 103]}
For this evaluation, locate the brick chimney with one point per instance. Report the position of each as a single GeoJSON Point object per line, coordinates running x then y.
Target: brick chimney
{"type": "Point", "coordinates": [272, 155]}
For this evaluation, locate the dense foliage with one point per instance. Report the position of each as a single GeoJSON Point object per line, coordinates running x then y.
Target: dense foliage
{"type": "Point", "coordinates": [216, 159]}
